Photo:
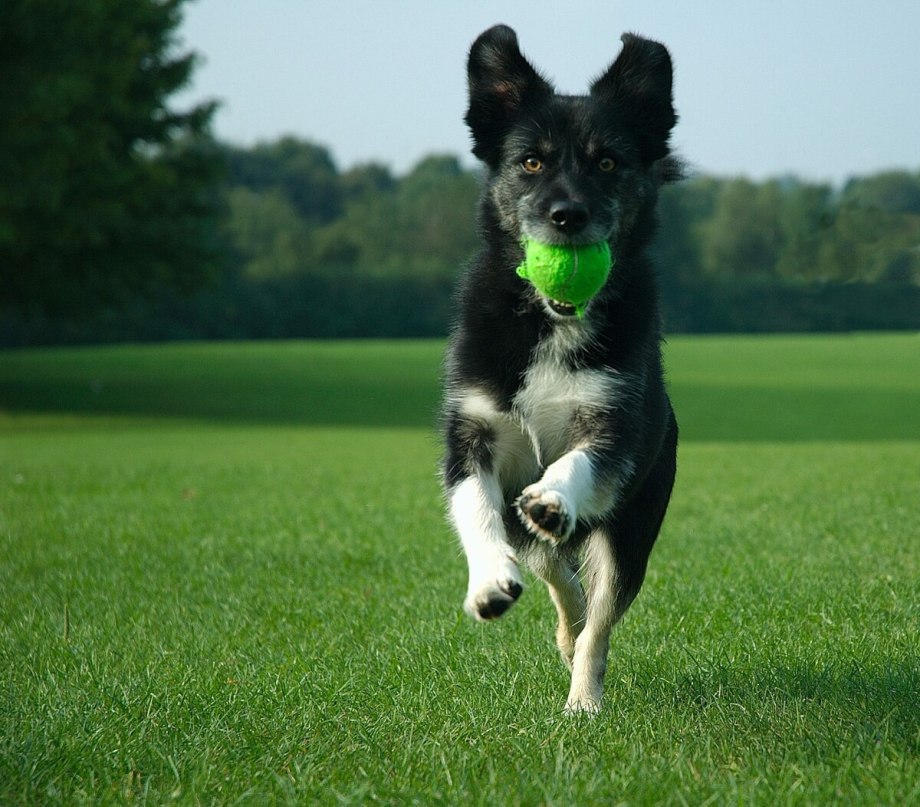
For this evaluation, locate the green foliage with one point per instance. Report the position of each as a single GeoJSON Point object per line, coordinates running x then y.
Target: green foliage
{"type": "Point", "coordinates": [891, 191]}
{"type": "Point", "coordinates": [114, 215]}
{"type": "Point", "coordinates": [742, 238]}
{"type": "Point", "coordinates": [683, 212]}
{"type": "Point", "coordinates": [270, 238]}
{"type": "Point", "coordinates": [799, 233]}
{"type": "Point", "coordinates": [292, 213]}
{"type": "Point", "coordinates": [806, 216]}
{"type": "Point", "coordinates": [883, 217]}
{"type": "Point", "coordinates": [221, 594]}
{"type": "Point", "coordinates": [303, 172]}
{"type": "Point", "coordinates": [107, 192]}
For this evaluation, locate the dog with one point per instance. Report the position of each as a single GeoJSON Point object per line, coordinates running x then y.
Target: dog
{"type": "Point", "coordinates": [560, 440]}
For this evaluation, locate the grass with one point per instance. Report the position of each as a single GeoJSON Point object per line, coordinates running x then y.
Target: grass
{"type": "Point", "coordinates": [225, 577]}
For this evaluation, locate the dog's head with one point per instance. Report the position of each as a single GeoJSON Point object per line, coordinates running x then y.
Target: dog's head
{"type": "Point", "coordinates": [569, 169]}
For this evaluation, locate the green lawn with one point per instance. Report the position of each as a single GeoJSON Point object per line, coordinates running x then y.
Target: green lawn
{"type": "Point", "coordinates": [226, 577]}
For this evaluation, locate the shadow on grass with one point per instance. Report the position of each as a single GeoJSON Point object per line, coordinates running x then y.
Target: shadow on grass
{"type": "Point", "coordinates": [825, 710]}
{"type": "Point", "coordinates": [369, 402]}
{"type": "Point", "coordinates": [326, 384]}
{"type": "Point", "coordinates": [396, 385]}
{"type": "Point", "coordinates": [725, 414]}
{"type": "Point", "coordinates": [750, 414]}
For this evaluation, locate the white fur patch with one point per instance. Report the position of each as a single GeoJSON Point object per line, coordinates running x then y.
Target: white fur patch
{"type": "Point", "coordinates": [476, 403]}
{"type": "Point", "coordinates": [475, 505]}
{"type": "Point", "coordinates": [550, 397]}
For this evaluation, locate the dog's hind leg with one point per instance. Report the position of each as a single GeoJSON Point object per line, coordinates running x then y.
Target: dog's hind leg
{"type": "Point", "coordinates": [603, 608]}
{"type": "Point", "coordinates": [614, 569]}
{"type": "Point", "coordinates": [616, 556]}
{"type": "Point", "coordinates": [560, 573]}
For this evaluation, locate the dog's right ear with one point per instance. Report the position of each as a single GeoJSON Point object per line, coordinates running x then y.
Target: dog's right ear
{"type": "Point", "coordinates": [502, 84]}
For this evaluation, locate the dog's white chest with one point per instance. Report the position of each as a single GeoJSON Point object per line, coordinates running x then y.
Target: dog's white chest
{"type": "Point", "coordinates": [549, 400]}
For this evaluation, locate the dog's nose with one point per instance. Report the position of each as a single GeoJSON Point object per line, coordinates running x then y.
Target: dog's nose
{"type": "Point", "coordinates": [568, 215]}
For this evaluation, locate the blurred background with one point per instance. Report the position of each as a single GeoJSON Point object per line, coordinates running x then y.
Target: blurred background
{"type": "Point", "coordinates": [238, 169]}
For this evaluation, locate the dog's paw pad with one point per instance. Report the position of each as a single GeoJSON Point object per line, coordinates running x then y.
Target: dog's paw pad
{"type": "Point", "coordinates": [493, 599]}
{"type": "Point", "coordinates": [546, 515]}
{"type": "Point", "coordinates": [492, 608]}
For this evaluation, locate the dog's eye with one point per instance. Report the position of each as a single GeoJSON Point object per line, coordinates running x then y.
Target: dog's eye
{"type": "Point", "coordinates": [607, 164]}
{"type": "Point", "coordinates": [532, 165]}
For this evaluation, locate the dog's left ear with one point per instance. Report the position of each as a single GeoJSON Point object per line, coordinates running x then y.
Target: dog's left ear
{"type": "Point", "coordinates": [640, 82]}
{"type": "Point", "coordinates": [502, 86]}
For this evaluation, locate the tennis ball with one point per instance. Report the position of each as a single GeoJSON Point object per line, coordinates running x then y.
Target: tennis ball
{"type": "Point", "coordinates": [567, 273]}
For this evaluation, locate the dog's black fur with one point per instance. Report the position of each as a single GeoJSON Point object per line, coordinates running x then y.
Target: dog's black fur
{"type": "Point", "coordinates": [528, 382]}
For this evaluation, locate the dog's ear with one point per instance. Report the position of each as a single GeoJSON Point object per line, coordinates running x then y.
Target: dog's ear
{"type": "Point", "coordinates": [639, 81]}
{"type": "Point", "coordinates": [502, 85]}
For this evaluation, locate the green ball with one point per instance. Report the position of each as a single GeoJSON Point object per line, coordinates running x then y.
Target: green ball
{"type": "Point", "coordinates": [567, 273]}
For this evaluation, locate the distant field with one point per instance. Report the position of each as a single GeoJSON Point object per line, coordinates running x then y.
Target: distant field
{"type": "Point", "coordinates": [225, 577]}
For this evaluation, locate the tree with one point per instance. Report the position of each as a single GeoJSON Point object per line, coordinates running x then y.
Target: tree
{"type": "Point", "coordinates": [369, 179]}
{"type": "Point", "coordinates": [881, 215]}
{"type": "Point", "coordinates": [268, 236]}
{"type": "Point", "coordinates": [807, 219]}
{"type": "Point", "coordinates": [106, 191]}
{"type": "Point", "coordinates": [304, 172]}
{"type": "Point", "coordinates": [683, 212]}
{"type": "Point", "coordinates": [891, 191]}
{"type": "Point", "coordinates": [743, 237]}
{"type": "Point", "coordinates": [437, 202]}
{"type": "Point", "coordinates": [422, 225]}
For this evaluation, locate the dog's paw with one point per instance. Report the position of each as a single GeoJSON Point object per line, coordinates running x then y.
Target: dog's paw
{"type": "Point", "coordinates": [582, 706]}
{"type": "Point", "coordinates": [547, 514]}
{"type": "Point", "coordinates": [491, 598]}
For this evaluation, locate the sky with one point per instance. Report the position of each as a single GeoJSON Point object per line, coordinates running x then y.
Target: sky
{"type": "Point", "coordinates": [822, 89]}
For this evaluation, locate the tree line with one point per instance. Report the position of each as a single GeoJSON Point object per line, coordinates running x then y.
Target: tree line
{"type": "Point", "coordinates": [732, 254]}
{"type": "Point", "coordinates": [121, 218]}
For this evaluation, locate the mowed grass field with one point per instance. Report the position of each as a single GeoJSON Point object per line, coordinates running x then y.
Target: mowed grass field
{"type": "Point", "coordinates": [226, 578]}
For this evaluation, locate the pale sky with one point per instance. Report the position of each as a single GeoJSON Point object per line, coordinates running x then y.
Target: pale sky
{"type": "Point", "coordinates": [822, 89]}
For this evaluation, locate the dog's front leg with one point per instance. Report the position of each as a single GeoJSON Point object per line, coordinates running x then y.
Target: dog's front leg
{"type": "Point", "coordinates": [495, 582]}
{"type": "Point", "coordinates": [569, 489]}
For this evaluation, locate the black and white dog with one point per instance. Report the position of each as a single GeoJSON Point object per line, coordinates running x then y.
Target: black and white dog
{"type": "Point", "coordinates": [560, 438]}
